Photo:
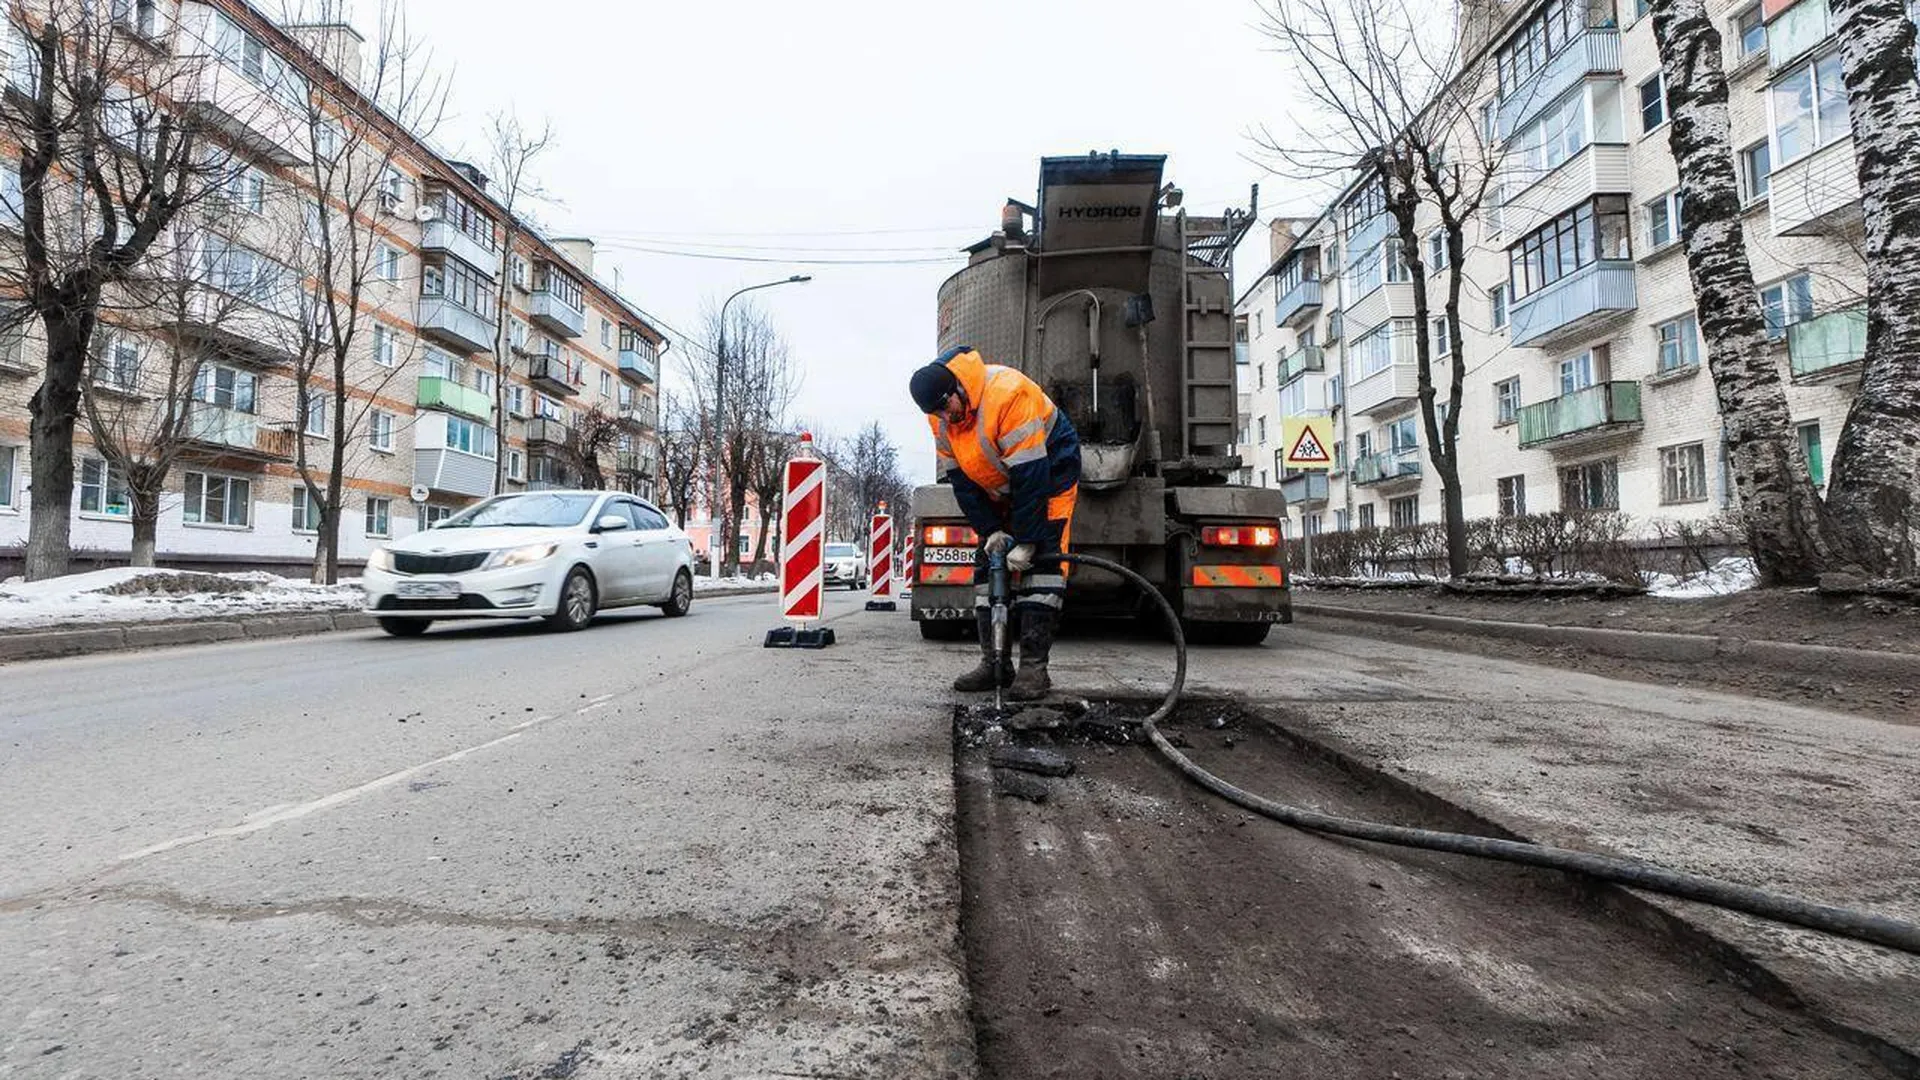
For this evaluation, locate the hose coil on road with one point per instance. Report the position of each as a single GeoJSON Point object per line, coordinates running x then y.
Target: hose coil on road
{"type": "Point", "coordinates": [1635, 873]}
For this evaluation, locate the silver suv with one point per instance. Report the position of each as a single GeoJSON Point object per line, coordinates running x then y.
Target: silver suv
{"type": "Point", "coordinates": [846, 566]}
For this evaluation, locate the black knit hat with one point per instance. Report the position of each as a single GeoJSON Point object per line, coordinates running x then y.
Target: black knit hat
{"type": "Point", "coordinates": [931, 385]}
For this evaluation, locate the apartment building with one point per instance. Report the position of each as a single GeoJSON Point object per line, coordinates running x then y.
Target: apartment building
{"type": "Point", "coordinates": [426, 431]}
{"type": "Point", "coordinates": [1585, 386]}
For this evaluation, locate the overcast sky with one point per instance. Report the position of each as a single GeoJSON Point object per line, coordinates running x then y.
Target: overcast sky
{"type": "Point", "coordinates": [867, 124]}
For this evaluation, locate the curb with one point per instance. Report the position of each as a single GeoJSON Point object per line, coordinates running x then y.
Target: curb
{"type": "Point", "coordinates": [1652, 645]}
{"type": "Point", "coordinates": [50, 644]}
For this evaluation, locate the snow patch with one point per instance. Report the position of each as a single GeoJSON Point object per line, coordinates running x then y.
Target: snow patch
{"type": "Point", "coordinates": [737, 581]}
{"type": "Point", "coordinates": [126, 594]}
{"type": "Point", "coordinates": [1729, 575]}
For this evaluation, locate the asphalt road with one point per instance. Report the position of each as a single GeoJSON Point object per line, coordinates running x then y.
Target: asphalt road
{"type": "Point", "coordinates": [650, 848]}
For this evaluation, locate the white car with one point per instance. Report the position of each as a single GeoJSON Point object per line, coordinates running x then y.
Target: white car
{"type": "Point", "coordinates": [556, 555]}
{"type": "Point", "coordinates": [845, 566]}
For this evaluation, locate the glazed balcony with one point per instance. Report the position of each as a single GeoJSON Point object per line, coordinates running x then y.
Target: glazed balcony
{"type": "Point", "coordinates": [639, 366]}
{"type": "Point", "coordinates": [444, 237]}
{"type": "Point", "coordinates": [1817, 193]}
{"type": "Point", "coordinates": [556, 314]}
{"type": "Point", "coordinates": [1301, 303]}
{"type": "Point", "coordinates": [1594, 52]}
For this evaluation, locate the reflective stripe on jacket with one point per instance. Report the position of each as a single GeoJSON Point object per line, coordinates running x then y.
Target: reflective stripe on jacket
{"type": "Point", "coordinates": [1015, 450]}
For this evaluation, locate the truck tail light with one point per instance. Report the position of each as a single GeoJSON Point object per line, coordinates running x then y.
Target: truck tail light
{"type": "Point", "coordinates": [1258, 536]}
{"type": "Point", "coordinates": [949, 536]}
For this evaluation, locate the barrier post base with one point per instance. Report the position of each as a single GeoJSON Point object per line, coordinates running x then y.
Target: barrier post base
{"type": "Point", "coordinates": [795, 637]}
{"type": "Point", "coordinates": [882, 605]}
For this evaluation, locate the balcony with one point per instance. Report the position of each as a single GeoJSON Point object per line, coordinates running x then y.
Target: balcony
{"type": "Point", "coordinates": [1300, 361]}
{"type": "Point", "coordinates": [544, 432]}
{"type": "Point", "coordinates": [438, 392]}
{"type": "Point", "coordinates": [632, 461]}
{"type": "Point", "coordinates": [226, 98]}
{"type": "Point", "coordinates": [550, 373]}
{"type": "Point", "coordinates": [1393, 300]}
{"type": "Point", "coordinates": [1828, 349]}
{"type": "Point", "coordinates": [453, 472]}
{"type": "Point", "coordinates": [231, 433]}
{"type": "Point", "coordinates": [454, 326]}
{"type": "Point", "coordinates": [1595, 52]}
{"type": "Point", "coordinates": [1393, 387]}
{"type": "Point", "coordinates": [1368, 235]}
{"type": "Point", "coordinates": [444, 237]}
{"type": "Point", "coordinates": [239, 329]}
{"type": "Point", "coordinates": [556, 314]}
{"type": "Point", "coordinates": [1301, 303]}
{"type": "Point", "coordinates": [1305, 489]}
{"type": "Point", "coordinates": [1240, 353]}
{"type": "Point", "coordinates": [1532, 201]}
{"type": "Point", "coordinates": [638, 366]}
{"type": "Point", "coordinates": [1817, 193]}
{"type": "Point", "coordinates": [1600, 410]}
{"type": "Point", "coordinates": [638, 416]}
{"type": "Point", "coordinates": [1591, 295]}
{"type": "Point", "coordinates": [1388, 468]}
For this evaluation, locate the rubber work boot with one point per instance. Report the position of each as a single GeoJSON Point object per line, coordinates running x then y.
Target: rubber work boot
{"type": "Point", "coordinates": [980, 679]}
{"type": "Point", "coordinates": [1037, 625]}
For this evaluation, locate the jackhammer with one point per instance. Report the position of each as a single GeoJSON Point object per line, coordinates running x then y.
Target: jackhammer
{"type": "Point", "coordinates": [999, 599]}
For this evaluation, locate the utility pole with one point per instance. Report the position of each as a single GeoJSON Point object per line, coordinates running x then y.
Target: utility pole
{"type": "Point", "coordinates": [720, 495]}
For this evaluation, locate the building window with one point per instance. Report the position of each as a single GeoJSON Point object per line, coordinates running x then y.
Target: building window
{"type": "Point", "coordinates": [1557, 23]}
{"type": "Point", "coordinates": [1592, 486]}
{"type": "Point", "coordinates": [386, 350]}
{"type": "Point", "coordinates": [517, 272]}
{"type": "Point", "coordinates": [516, 400]}
{"type": "Point", "coordinates": [116, 360]}
{"type": "Point", "coordinates": [218, 500]}
{"type": "Point", "coordinates": [1750, 33]}
{"type": "Point", "coordinates": [103, 488]}
{"type": "Point", "coordinates": [430, 515]}
{"type": "Point", "coordinates": [1366, 516]}
{"type": "Point", "coordinates": [1375, 351]}
{"type": "Point", "coordinates": [1262, 425]}
{"type": "Point", "coordinates": [1497, 299]}
{"type": "Point", "coordinates": [8, 461]}
{"type": "Point", "coordinates": [387, 263]}
{"type": "Point", "coordinates": [1653, 104]}
{"type": "Point", "coordinates": [314, 412]}
{"type": "Point", "coordinates": [1506, 401]}
{"type": "Point", "coordinates": [380, 429]}
{"type": "Point", "coordinates": [1756, 171]}
{"type": "Point", "coordinates": [1683, 473]}
{"type": "Point", "coordinates": [226, 388]}
{"type": "Point", "coordinates": [454, 209]}
{"type": "Point", "coordinates": [516, 465]}
{"type": "Point", "coordinates": [1513, 496]}
{"type": "Point", "coordinates": [606, 384]}
{"type": "Point", "coordinates": [1809, 108]}
{"type": "Point", "coordinates": [1442, 340]}
{"type": "Point", "coordinates": [1809, 435]}
{"type": "Point", "coordinates": [243, 188]}
{"type": "Point", "coordinates": [1663, 220]}
{"type": "Point", "coordinates": [606, 334]}
{"type": "Point", "coordinates": [1404, 512]}
{"type": "Point", "coordinates": [1403, 435]}
{"type": "Point", "coordinates": [306, 510]}
{"type": "Point", "coordinates": [379, 516]}
{"type": "Point", "coordinates": [1576, 239]}
{"type": "Point", "coordinates": [1785, 303]}
{"type": "Point", "coordinates": [469, 437]}
{"type": "Point", "coordinates": [1679, 344]}
{"type": "Point", "coordinates": [1583, 369]}
{"type": "Point", "coordinates": [459, 283]}
{"type": "Point", "coordinates": [1437, 250]}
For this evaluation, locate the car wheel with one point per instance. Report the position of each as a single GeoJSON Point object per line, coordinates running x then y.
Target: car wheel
{"type": "Point", "coordinates": [681, 599]}
{"type": "Point", "coordinates": [578, 601]}
{"type": "Point", "coordinates": [404, 627]}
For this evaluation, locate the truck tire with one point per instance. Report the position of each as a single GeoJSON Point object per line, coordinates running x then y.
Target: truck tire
{"type": "Point", "coordinates": [1226, 633]}
{"type": "Point", "coordinates": [944, 629]}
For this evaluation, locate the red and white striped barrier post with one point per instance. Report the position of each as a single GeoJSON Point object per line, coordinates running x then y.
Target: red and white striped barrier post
{"type": "Point", "coordinates": [910, 561]}
{"type": "Point", "coordinates": [803, 516]}
{"type": "Point", "coordinates": [880, 562]}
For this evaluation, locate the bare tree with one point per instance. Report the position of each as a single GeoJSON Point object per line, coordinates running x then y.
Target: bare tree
{"type": "Point", "coordinates": [1780, 510]}
{"type": "Point", "coordinates": [682, 453]}
{"type": "Point", "coordinates": [114, 149]}
{"type": "Point", "coordinates": [357, 131]}
{"type": "Point", "coordinates": [1876, 465]}
{"type": "Point", "coordinates": [1395, 105]}
{"type": "Point", "coordinates": [590, 446]}
{"type": "Point", "coordinates": [511, 152]}
{"type": "Point", "coordinates": [761, 383]}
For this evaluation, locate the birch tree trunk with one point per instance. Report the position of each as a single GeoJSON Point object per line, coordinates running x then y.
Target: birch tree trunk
{"type": "Point", "coordinates": [1780, 512]}
{"type": "Point", "coordinates": [1876, 464]}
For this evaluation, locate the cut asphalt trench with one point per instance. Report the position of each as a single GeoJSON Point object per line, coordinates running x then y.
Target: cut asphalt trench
{"type": "Point", "coordinates": [656, 849]}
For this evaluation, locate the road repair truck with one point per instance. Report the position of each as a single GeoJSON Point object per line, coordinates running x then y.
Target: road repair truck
{"type": "Point", "coordinates": [1120, 305]}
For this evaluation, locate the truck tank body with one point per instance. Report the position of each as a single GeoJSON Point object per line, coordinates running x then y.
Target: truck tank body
{"type": "Point", "coordinates": [1094, 306]}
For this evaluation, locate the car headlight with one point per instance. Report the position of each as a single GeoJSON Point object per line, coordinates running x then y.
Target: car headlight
{"type": "Point", "coordinates": [380, 559]}
{"type": "Point", "coordinates": [520, 556]}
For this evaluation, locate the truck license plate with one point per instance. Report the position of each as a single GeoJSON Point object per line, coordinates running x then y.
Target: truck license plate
{"type": "Point", "coordinates": [428, 590]}
{"type": "Point", "coordinates": [947, 555]}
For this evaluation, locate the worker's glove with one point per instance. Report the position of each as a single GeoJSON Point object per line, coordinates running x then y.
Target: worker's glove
{"type": "Point", "coordinates": [998, 543]}
{"type": "Point", "coordinates": [1020, 559]}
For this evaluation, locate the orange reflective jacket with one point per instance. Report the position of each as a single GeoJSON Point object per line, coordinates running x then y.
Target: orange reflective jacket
{"type": "Point", "coordinates": [1015, 447]}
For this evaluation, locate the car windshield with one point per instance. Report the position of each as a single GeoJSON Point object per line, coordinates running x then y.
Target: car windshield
{"type": "Point", "coordinates": [542, 510]}
{"type": "Point", "coordinates": [841, 551]}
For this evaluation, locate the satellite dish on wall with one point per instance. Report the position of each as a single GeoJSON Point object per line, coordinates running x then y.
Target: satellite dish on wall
{"type": "Point", "coordinates": [419, 493]}
{"type": "Point", "coordinates": [424, 214]}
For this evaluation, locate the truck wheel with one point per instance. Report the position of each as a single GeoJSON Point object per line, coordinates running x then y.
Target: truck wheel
{"type": "Point", "coordinates": [944, 629]}
{"type": "Point", "coordinates": [1226, 633]}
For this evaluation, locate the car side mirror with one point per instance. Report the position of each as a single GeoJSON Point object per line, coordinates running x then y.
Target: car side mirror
{"type": "Point", "coordinates": [611, 523]}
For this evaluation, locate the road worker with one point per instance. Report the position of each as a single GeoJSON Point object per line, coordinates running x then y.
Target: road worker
{"type": "Point", "coordinates": [1013, 459]}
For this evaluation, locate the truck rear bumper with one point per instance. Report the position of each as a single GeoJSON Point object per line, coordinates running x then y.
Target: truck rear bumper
{"type": "Point", "coordinates": [1237, 605]}
{"type": "Point", "coordinates": [942, 603]}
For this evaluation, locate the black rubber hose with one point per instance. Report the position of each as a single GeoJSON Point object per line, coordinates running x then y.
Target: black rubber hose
{"type": "Point", "coordinates": [1634, 873]}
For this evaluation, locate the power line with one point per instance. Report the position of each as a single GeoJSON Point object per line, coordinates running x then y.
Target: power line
{"type": "Point", "coordinates": [651, 233]}
{"type": "Point", "coordinates": [956, 257]}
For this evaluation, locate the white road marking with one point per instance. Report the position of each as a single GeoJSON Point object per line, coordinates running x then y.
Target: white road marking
{"type": "Point", "coordinates": [594, 703]}
{"type": "Point", "coordinates": [294, 811]}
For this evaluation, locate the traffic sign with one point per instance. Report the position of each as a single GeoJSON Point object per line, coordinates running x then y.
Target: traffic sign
{"type": "Point", "coordinates": [1309, 442]}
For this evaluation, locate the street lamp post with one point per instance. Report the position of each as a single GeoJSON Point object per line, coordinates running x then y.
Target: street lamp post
{"type": "Point", "coordinates": [720, 496]}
